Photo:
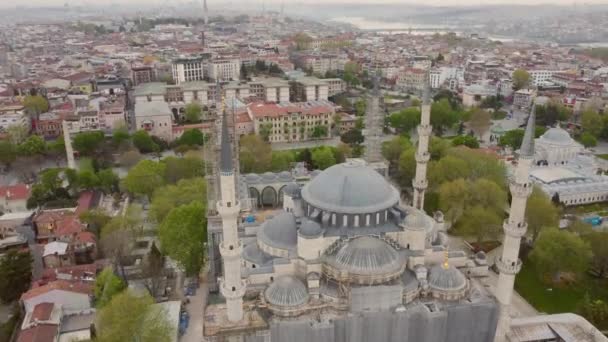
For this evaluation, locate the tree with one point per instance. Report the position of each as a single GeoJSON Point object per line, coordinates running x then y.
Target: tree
{"type": "Point", "coordinates": [131, 317]}
{"type": "Point", "coordinates": [120, 136]}
{"type": "Point", "coordinates": [129, 158]}
{"type": "Point", "coordinates": [352, 137]}
{"type": "Point", "coordinates": [465, 140]}
{"type": "Point", "coordinates": [360, 107]}
{"type": "Point", "coordinates": [540, 213]}
{"type": "Point", "coordinates": [341, 152]}
{"type": "Point", "coordinates": [598, 241]}
{"type": "Point", "coordinates": [183, 168]}
{"type": "Point", "coordinates": [118, 236]}
{"type": "Point", "coordinates": [169, 197]}
{"type": "Point", "coordinates": [107, 180]}
{"type": "Point", "coordinates": [595, 311]}
{"type": "Point", "coordinates": [407, 167]}
{"type": "Point", "coordinates": [8, 153]}
{"type": "Point", "coordinates": [319, 131]}
{"type": "Point", "coordinates": [442, 116]}
{"type": "Point", "coordinates": [17, 133]}
{"type": "Point", "coordinates": [302, 41]}
{"type": "Point", "coordinates": [34, 145]}
{"type": "Point", "coordinates": [393, 149]}
{"type": "Point", "coordinates": [452, 199]}
{"type": "Point", "coordinates": [145, 177]}
{"type": "Point", "coordinates": [255, 154]}
{"type": "Point", "coordinates": [512, 138]}
{"type": "Point", "coordinates": [480, 121]}
{"type": "Point", "coordinates": [281, 160]}
{"type": "Point", "coordinates": [551, 113]}
{"type": "Point", "coordinates": [323, 157]}
{"type": "Point", "coordinates": [481, 223]}
{"type": "Point", "coordinates": [588, 139]}
{"type": "Point", "coordinates": [521, 79]}
{"type": "Point", "coordinates": [265, 131]}
{"type": "Point", "coordinates": [194, 112]}
{"type": "Point", "coordinates": [183, 235]}
{"type": "Point", "coordinates": [107, 285]}
{"type": "Point", "coordinates": [591, 122]}
{"type": "Point", "coordinates": [153, 271]}
{"type": "Point", "coordinates": [558, 251]}
{"type": "Point", "coordinates": [405, 120]}
{"type": "Point", "coordinates": [35, 105]}
{"type": "Point", "coordinates": [87, 180]}
{"type": "Point", "coordinates": [192, 137]}
{"type": "Point", "coordinates": [95, 220]}
{"type": "Point", "coordinates": [144, 143]}
{"type": "Point", "coordinates": [15, 275]}
{"type": "Point", "coordinates": [447, 169]}
{"type": "Point", "coordinates": [87, 143]}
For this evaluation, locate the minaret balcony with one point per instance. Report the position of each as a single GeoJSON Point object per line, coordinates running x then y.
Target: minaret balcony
{"type": "Point", "coordinates": [423, 158]}
{"type": "Point", "coordinates": [231, 250]}
{"type": "Point", "coordinates": [231, 291]}
{"type": "Point", "coordinates": [516, 230]}
{"type": "Point", "coordinates": [521, 190]}
{"type": "Point", "coordinates": [508, 267]}
{"type": "Point", "coordinates": [228, 209]}
{"type": "Point", "coordinates": [424, 130]}
{"type": "Point", "coordinates": [420, 184]}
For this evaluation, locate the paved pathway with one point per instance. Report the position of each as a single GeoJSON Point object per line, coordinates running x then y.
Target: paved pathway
{"type": "Point", "coordinates": [196, 309]}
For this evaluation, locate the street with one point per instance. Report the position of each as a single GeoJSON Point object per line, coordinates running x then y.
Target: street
{"type": "Point", "coordinates": [196, 309]}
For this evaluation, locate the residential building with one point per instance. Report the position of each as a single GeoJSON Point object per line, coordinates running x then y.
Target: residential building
{"type": "Point", "coordinates": [48, 125]}
{"type": "Point", "coordinates": [155, 118]}
{"type": "Point", "coordinates": [309, 89]}
{"type": "Point", "coordinates": [412, 80]}
{"type": "Point", "coordinates": [71, 295]}
{"type": "Point", "coordinates": [270, 89]}
{"type": "Point", "coordinates": [143, 74]}
{"type": "Point", "coordinates": [292, 122]}
{"type": "Point", "coordinates": [112, 113]}
{"type": "Point", "coordinates": [228, 69]}
{"type": "Point", "coordinates": [12, 115]}
{"type": "Point", "coordinates": [475, 93]}
{"type": "Point", "coordinates": [522, 99]}
{"type": "Point", "coordinates": [13, 198]}
{"type": "Point", "coordinates": [540, 76]}
{"type": "Point", "coordinates": [189, 69]}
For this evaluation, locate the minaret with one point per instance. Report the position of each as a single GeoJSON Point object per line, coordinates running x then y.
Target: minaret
{"type": "Point", "coordinates": [232, 286]}
{"type": "Point", "coordinates": [373, 125]}
{"type": "Point", "coordinates": [423, 156]}
{"type": "Point", "coordinates": [515, 227]}
{"type": "Point", "coordinates": [205, 13]}
{"type": "Point", "coordinates": [69, 150]}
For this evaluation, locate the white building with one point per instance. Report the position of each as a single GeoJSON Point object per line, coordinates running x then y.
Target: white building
{"type": "Point", "coordinates": [541, 76]}
{"type": "Point", "coordinates": [189, 69]}
{"type": "Point", "coordinates": [155, 118]}
{"type": "Point", "coordinates": [13, 116]}
{"type": "Point", "coordinates": [224, 69]}
{"type": "Point", "coordinates": [475, 93]}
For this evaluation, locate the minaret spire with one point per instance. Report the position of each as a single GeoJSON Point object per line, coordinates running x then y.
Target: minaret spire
{"type": "Point", "coordinates": [232, 286]}
{"type": "Point", "coordinates": [374, 121]}
{"type": "Point", "coordinates": [423, 156]}
{"type": "Point", "coordinates": [205, 12]}
{"type": "Point", "coordinates": [515, 227]}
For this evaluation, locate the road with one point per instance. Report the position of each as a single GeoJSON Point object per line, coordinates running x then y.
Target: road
{"type": "Point", "coordinates": [196, 309]}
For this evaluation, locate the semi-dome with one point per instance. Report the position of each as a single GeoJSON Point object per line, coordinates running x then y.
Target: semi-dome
{"type": "Point", "coordinates": [286, 291]}
{"type": "Point", "coordinates": [446, 278]}
{"type": "Point", "coordinates": [415, 219]}
{"type": "Point", "coordinates": [280, 231]}
{"type": "Point", "coordinates": [558, 136]}
{"type": "Point", "coordinates": [364, 260]}
{"type": "Point", "coordinates": [292, 189]}
{"type": "Point", "coordinates": [310, 229]}
{"type": "Point", "coordinates": [352, 188]}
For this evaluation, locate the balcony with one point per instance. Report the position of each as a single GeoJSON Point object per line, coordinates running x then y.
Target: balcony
{"type": "Point", "coordinates": [508, 267]}
{"type": "Point", "coordinates": [423, 158]}
{"type": "Point", "coordinates": [421, 184]}
{"type": "Point", "coordinates": [516, 230]}
{"type": "Point", "coordinates": [521, 190]}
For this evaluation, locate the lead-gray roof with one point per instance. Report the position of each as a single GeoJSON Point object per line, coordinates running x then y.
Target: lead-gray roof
{"type": "Point", "coordinates": [280, 231]}
{"type": "Point", "coordinates": [366, 255]}
{"type": "Point", "coordinates": [558, 136]}
{"type": "Point", "coordinates": [310, 228]}
{"type": "Point", "coordinates": [286, 291]}
{"type": "Point", "coordinates": [352, 188]}
{"type": "Point", "coordinates": [446, 278]}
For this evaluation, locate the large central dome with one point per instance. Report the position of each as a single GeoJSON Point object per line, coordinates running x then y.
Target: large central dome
{"type": "Point", "coordinates": [350, 188]}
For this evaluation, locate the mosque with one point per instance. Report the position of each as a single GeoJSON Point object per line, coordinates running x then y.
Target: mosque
{"type": "Point", "coordinates": [345, 260]}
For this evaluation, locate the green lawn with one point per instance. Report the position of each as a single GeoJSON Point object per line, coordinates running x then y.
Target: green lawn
{"type": "Point", "coordinates": [557, 299]}
{"type": "Point", "coordinates": [603, 156]}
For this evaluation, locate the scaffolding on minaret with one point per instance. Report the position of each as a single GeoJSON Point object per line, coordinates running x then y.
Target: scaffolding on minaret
{"type": "Point", "coordinates": [374, 123]}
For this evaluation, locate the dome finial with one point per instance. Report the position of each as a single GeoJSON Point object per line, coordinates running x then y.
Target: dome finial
{"type": "Point", "coordinates": [446, 263]}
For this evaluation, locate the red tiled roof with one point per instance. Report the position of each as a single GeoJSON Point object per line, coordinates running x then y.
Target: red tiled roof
{"type": "Point", "coordinates": [69, 225]}
{"type": "Point", "coordinates": [39, 333]}
{"type": "Point", "coordinates": [42, 312]}
{"type": "Point", "coordinates": [85, 202]}
{"type": "Point", "coordinates": [85, 237]}
{"type": "Point", "coordinates": [77, 272]}
{"type": "Point", "coordinates": [51, 216]}
{"type": "Point", "coordinates": [64, 285]}
{"type": "Point", "coordinates": [15, 192]}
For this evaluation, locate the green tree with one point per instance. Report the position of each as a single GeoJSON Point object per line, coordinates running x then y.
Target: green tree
{"type": "Point", "coordinates": [87, 143]}
{"type": "Point", "coordinates": [465, 140]}
{"type": "Point", "coordinates": [442, 116]}
{"type": "Point", "coordinates": [169, 197]}
{"type": "Point", "coordinates": [319, 131]}
{"type": "Point", "coordinates": [107, 285]}
{"type": "Point", "coordinates": [558, 251]}
{"type": "Point", "coordinates": [341, 152]}
{"type": "Point", "coordinates": [588, 140]}
{"type": "Point", "coordinates": [281, 160]}
{"type": "Point", "coordinates": [453, 196]}
{"type": "Point", "coordinates": [145, 177]}
{"type": "Point", "coordinates": [131, 317]}
{"type": "Point", "coordinates": [393, 149]}
{"type": "Point", "coordinates": [108, 180]}
{"type": "Point", "coordinates": [265, 131]}
{"type": "Point", "coordinates": [34, 145]}
{"type": "Point", "coordinates": [95, 220]}
{"type": "Point", "coordinates": [447, 169]}
{"type": "Point", "coordinates": [521, 79]}
{"type": "Point", "coordinates": [255, 154]}
{"type": "Point", "coordinates": [35, 105]}
{"type": "Point", "coordinates": [8, 153]}
{"type": "Point", "coordinates": [598, 240]}
{"type": "Point", "coordinates": [591, 122]}
{"type": "Point", "coordinates": [87, 180]}
{"type": "Point", "coordinates": [183, 168]}
{"type": "Point", "coordinates": [480, 121]}
{"type": "Point", "coordinates": [353, 137]}
{"type": "Point", "coordinates": [481, 223]}
{"type": "Point", "coordinates": [183, 235]}
{"type": "Point", "coordinates": [360, 107]}
{"type": "Point", "coordinates": [192, 137]}
{"type": "Point", "coordinates": [407, 167]}
{"type": "Point", "coordinates": [120, 136]}
{"type": "Point", "coordinates": [323, 157]}
{"type": "Point", "coordinates": [17, 133]}
{"type": "Point", "coordinates": [144, 143]}
{"type": "Point", "coordinates": [595, 311]}
{"type": "Point", "coordinates": [15, 275]}
{"type": "Point", "coordinates": [540, 213]}
{"type": "Point", "coordinates": [405, 120]}
{"type": "Point", "coordinates": [194, 112]}
{"type": "Point", "coordinates": [129, 158]}
{"type": "Point", "coordinates": [512, 138]}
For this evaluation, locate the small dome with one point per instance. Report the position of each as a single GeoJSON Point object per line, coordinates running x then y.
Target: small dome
{"type": "Point", "coordinates": [252, 177]}
{"type": "Point", "coordinates": [285, 175]}
{"type": "Point", "coordinates": [415, 219]}
{"type": "Point", "coordinates": [268, 176]}
{"type": "Point", "coordinates": [310, 228]}
{"type": "Point", "coordinates": [365, 260]}
{"type": "Point", "coordinates": [448, 278]}
{"type": "Point", "coordinates": [352, 188]}
{"type": "Point", "coordinates": [286, 291]}
{"type": "Point", "coordinates": [558, 136]}
{"type": "Point", "coordinates": [292, 189]}
{"type": "Point", "coordinates": [280, 231]}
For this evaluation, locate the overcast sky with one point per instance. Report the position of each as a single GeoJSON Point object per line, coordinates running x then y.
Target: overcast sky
{"type": "Point", "coordinates": [12, 3]}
